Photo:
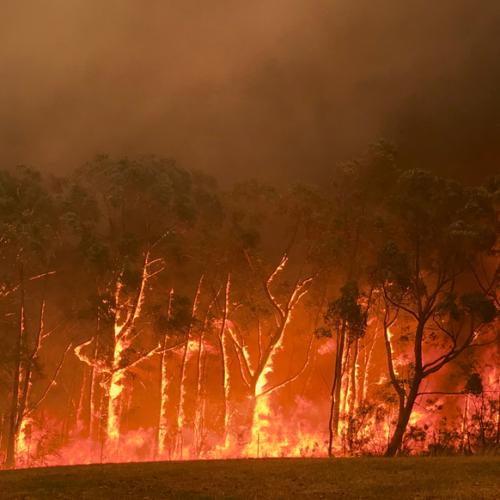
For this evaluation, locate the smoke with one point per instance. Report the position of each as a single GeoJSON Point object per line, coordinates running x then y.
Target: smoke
{"type": "Point", "coordinates": [269, 88]}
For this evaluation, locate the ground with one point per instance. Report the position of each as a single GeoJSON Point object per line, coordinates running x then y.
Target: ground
{"type": "Point", "coordinates": [401, 478]}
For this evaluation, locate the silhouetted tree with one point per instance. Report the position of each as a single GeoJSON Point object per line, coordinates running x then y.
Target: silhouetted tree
{"type": "Point", "coordinates": [434, 229]}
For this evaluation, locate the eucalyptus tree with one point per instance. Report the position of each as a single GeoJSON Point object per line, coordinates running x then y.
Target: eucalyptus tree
{"type": "Point", "coordinates": [268, 274]}
{"type": "Point", "coordinates": [346, 226]}
{"type": "Point", "coordinates": [435, 229]}
{"type": "Point", "coordinates": [28, 228]}
{"type": "Point", "coordinates": [146, 205]}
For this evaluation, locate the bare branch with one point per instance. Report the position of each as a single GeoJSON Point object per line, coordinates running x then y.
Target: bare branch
{"type": "Point", "coordinates": [294, 377]}
{"type": "Point", "coordinates": [144, 357]}
{"type": "Point", "coordinates": [390, 363]}
{"type": "Point", "coordinates": [269, 281]}
{"type": "Point", "coordinates": [398, 305]}
{"type": "Point", "coordinates": [52, 382]}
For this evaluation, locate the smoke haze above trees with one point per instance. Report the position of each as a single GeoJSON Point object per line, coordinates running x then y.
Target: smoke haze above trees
{"type": "Point", "coordinates": [265, 88]}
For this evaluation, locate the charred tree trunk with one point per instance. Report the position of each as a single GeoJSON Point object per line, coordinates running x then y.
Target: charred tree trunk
{"type": "Point", "coordinates": [352, 397]}
{"type": "Point", "coordinates": [404, 414]}
{"type": "Point", "coordinates": [497, 439]}
{"type": "Point", "coordinates": [333, 423]}
{"type": "Point", "coordinates": [12, 427]}
{"type": "Point", "coordinates": [465, 426]}
{"type": "Point", "coordinates": [10, 459]}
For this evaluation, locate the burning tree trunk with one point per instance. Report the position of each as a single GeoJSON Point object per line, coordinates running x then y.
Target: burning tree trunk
{"type": "Point", "coordinates": [367, 364]}
{"type": "Point", "coordinates": [88, 414]}
{"type": "Point", "coordinates": [188, 354]}
{"type": "Point", "coordinates": [335, 393]}
{"type": "Point", "coordinates": [333, 423]}
{"type": "Point", "coordinates": [425, 271]}
{"type": "Point", "coordinates": [351, 395]}
{"type": "Point", "coordinates": [17, 373]}
{"type": "Point", "coordinates": [112, 374]}
{"type": "Point", "coordinates": [407, 396]}
{"type": "Point", "coordinates": [354, 376]}
{"type": "Point", "coordinates": [126, 315]}
{"type": "Point", "coordinates": [255, 407]}
{"type": "Point", "coordinates": [91, 423]}
{"type": "Point", "coordinates": [348, 318]}
{"type": "Point", "coordinates": [26, 356]}
{"type": "Point", "coordinates": [224, 351]}
{"type": "Point", "coordinates": [165, 388]}
{"type": "Point", "coordinates": [200, 402]}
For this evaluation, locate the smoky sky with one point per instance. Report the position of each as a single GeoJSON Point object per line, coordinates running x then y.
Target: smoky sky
{"type": "Point", "coordinates": [278, 89]}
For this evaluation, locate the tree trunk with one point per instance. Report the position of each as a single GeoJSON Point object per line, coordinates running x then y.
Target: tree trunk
{"type": "Point", "coordinates": [351, 428]}
{"type": "Point", "coordinates": [200, 397]}
{"type": "Point", "coordinates": [10, 459]}
{"type": "Point", "coordinates": [404, 414]}
{"type": "Point", "coordinates": [94, 416]}
{"type": "Point", "coordinates": [188, 354]}
{"type": "Point", "coordinates": [164, 445]}
{"type": "Point", "coordinates": [497, 440]}
{"type": "Point", "coordinates": [184, 416]}
{"type": "Point", "coordinates": [333, 422]}
{"type": "Point", "coordinates": [241, 438]}
{"type": "Point", "coordinates": [115, 395]}
{"type": "Point", "coordinates": [128, 311]}
{"type": "Point", "coordinates": [12, 431]}
{"type": "Point", "coordinates": [465, 426]}
{"type": "Point", "coordinates": [354, 375]}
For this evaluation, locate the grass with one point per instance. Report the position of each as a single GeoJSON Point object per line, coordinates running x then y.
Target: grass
{"type": "Point", "coordinates": [400, 478]}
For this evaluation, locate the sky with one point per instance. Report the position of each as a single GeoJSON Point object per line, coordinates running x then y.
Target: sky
{"type": "Point", "coordinates": [277, 89]}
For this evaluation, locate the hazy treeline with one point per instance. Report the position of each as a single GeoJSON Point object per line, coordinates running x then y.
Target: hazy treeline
{"type": "Point", "coordinates": [138, 280]}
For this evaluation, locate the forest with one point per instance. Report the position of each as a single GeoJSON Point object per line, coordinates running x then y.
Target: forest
{"type": "Point", "coordinates": [152, 312]}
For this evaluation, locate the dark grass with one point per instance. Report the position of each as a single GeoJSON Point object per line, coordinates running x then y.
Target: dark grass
{"type": "Point", "coordinates": [401, 478]}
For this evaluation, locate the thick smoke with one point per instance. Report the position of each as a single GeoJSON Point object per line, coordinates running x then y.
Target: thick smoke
{"type": "Point", "coordinates": [271, 88]}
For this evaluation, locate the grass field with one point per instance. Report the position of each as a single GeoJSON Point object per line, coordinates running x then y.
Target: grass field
{"type": "Point", "coordinates": [401, 478]}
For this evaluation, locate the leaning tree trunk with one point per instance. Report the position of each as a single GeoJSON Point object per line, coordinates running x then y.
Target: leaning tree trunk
{"type": "Point", "coordinates": [404, 414]}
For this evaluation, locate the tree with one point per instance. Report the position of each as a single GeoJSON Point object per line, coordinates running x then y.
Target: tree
{"type": "Point", "coordinates": [347, 318]}
{"type": "Point", "coordinates": [260, 300]}
{"type": "Point", "coordinates": [29, 225]}
{"type": "Point", "coordinates": [345, 222]}
{"type": "Point", "coordinates": [146, 205]}
{"type": "Point", "coordinates": [434, 229]}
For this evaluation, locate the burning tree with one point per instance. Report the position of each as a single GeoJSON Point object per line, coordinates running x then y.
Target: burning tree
{"type": "Point", "coordinates": [208, 322]}
{"type": "Point", "coordinates": [146, 206]}
{"type": "Point", "coordinates": [346, 222]}
{"type": "Point", "coordinates": [347, 318]}
{"type": "Point", "coordinates": [29, 228]}
{"type": "Point", "coordinates": [256, 307]}
{"type": "Point", "coordinates": [437, 230]}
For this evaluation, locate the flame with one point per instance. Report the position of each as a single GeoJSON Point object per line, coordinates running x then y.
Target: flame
{"type": "Point", "coordinates": [280, 423]}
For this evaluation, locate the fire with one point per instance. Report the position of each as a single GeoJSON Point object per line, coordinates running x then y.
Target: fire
{"type": "Point", "coordinates": [228, 392]}
{"type": "Point", "coordinates": [260, 419]}
{"type": "Point", "coordinates": [272, 433]}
